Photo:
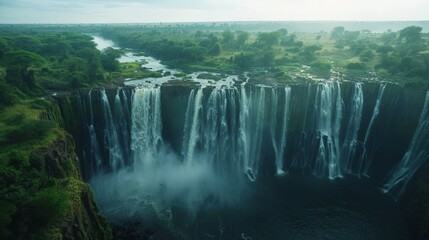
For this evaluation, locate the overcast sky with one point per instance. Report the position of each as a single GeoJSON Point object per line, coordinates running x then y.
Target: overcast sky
{"type": "Point", "coordinates": [143, 11]}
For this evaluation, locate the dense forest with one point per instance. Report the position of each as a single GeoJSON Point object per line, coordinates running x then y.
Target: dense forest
{"type": "Point", "coordinates": [39, 182]}
{"type": "Point", "coordinates": [33, 63]}
{"type": "Point", "coordinates": [394, 56]}
{"type": "Point", "coordinates": [37, 191]}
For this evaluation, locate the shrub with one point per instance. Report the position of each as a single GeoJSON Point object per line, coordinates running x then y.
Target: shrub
{"type": "Point", "coordinates": [7, 210]}
{"type": "Point", "coordinates": [8, 176]}
{"type": "Point", "coordinates": [37, 161]}
{"type": "Point", "coordinates": [32, 129]}
{"type": "Point", "coordinates": [40, 103]}
{"type": "Point", "coordinates": [9, 95]}
{"type": "Point", "coordinates": [15, 119]}
{"type": "Point", "coordinates": [48, 206]}
{"type": "Point", "coordinates": [18, 159]}
{"type": "Point", "coordinates": [321, 66]}
{"type": "Point", "coordinates": [366, 55]}
{"type": "Point", "coordinates": [356, 66]}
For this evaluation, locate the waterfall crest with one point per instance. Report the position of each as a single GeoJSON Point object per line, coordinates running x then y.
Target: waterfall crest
{"type": "Point", "coordinates": [243, 132]}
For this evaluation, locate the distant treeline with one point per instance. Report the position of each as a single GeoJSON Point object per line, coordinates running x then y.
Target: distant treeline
{"type": "Point", "coordinates": [398, 56]}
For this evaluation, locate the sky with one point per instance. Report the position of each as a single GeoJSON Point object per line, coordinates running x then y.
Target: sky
{"type": "Point", "coordinates": [154, 11]}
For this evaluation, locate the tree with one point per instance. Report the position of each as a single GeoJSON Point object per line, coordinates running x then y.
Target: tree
{"type": "Point", "coordinates": [385, 49]}
{"type": "Point", "coordinates": [4, 47]}
{"type": "Point", "coordinates": [215, 50]}
{"type": "Point", "coordinates": [195, 52]}
{"type": "Point", "coordinates": [366, 55]}
{"type": "Point", "coordinates": [27, 43]}
{"type": "Point", "coordinates": [91, 55]}
{"type": "Point", "coordinates": [243, 61]}
{"type": "Point", "coordinates": [199, 34]}
{"type": "Point", "coordinates": [56, 46]}
{"type": "Point", "coordinates": [283, 32]}
{"type": "Point", "coordinates": [288, 40]}
{"type": "Point", "coordinates": [242, 37]}
{"type": "Point", "coordinates": [337, 32]}
{"type": "Point", "coordinates": [79, 41]}
{"type": "Point", "coordinates": [19, 70]}
{"type": "Point", "coordinates": [411, 42]}
{"type": "Point", "coordinates": [388, 38]}
{"type": "Point", "coordinates": [109, 58]}
{"type": "Point", "coordinates": [359, 46]}
{"type": "Point", "coordinates": [75, 64]}
{"type": "Point", "coordinates": [410, 35]}
{"type": "Point", "coordinates": [350, 36]}
{"type": "Point", "coordinates": [228, 38]}
{"type": "Point", "coordinates": [24, 59]}
{"type": "Point", "coordinates": [268, 39]}
{"type": "Point", "coordinates": [93, 70]}
{"type": "Point", "coordinates": [309, 51]}
{"type": "Point", "coordinates": [266, 59]}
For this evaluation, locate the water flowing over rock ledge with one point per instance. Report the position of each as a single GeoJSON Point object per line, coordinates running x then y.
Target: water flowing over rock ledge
{"type": "Point", "coordinates": [327, 129]}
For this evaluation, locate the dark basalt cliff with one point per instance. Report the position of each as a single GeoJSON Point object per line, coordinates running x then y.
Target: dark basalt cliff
{"type": "Point", "coordinates": [83, 220]}
{"type": "Point", "coordinates": [325, 129]}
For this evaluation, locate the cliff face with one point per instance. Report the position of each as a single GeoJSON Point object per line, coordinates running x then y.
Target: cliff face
{"type": "Point", "coordinates": [42, 193]}
{"type": "Point", "coordinates": [83, 219]}
{"type": "Point", "coordinates": [326, 129]}
{"type": "Point", "coordinates": [295, 124]}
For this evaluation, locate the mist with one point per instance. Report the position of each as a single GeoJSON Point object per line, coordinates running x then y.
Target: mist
{"type": "Point", "coordinates": [158, 185]}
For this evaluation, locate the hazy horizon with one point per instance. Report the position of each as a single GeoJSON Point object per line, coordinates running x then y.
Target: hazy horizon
{"type": "Point", "coordinates": [168, 11]}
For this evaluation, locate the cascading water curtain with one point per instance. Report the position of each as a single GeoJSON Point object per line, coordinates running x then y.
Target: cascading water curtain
{"type": "Point", "coordinates": [417, 153]}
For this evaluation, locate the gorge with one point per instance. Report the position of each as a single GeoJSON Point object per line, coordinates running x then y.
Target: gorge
{"type": "Point", "coordinates": [206, 131]}
{"type": "Point", "coordinates": [183, 151]}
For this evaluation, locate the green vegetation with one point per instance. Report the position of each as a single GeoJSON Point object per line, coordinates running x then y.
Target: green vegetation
{"type": "Point", "coordinates": [37, 159]}
{"type": "Point", "coordinates": [32, 63]}
{"type": "Point", "coordinates": [30, 199]}
{"type": "Point", "coordinates": [401, 56]}
{"type": "Point", "coordinates": [39, 184]}
{"type": "Point", "coordinates": [135, 70]}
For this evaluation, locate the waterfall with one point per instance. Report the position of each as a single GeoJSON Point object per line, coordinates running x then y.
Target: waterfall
{"type": "Point", "coordinates": [227, 128]}
{"type": "Point", "coordinates": [328, 116]}
{"type": "Point", "coordinates": [365, 160]}
{"type": "Point", "coordinates": [278, 135]}
{"type": "Point", "coordinates": [220, 130]}
{"type": "Point", "coordinates": [146, 128]}
{"type": "Point", "coordinates": [111, 138]}
{"type": "Point", "coordinates": [120, 116]}
{"type": "Point", "coordinates": [244, 139]}
{"type": "Point", "coordinates": [245, 131]}
{"type": "Point", "coordinates": [192, 124]}
{"type": "Point", "coordinates": [351, 139]}
{"type": "Point", "coordinates": [94, 151]}
{"type": "Point", "coordinates": [301, 160]}
{"type": "Point", "coordinates": [255, 128]}
{"type": "Point", "coordinates": [417, 153]}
